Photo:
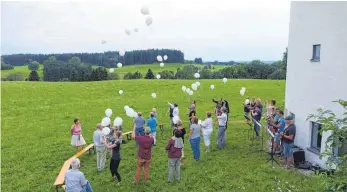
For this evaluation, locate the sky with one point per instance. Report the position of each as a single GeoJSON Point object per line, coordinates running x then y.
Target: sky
{"type": "Point", "coordinates": [221, 30]}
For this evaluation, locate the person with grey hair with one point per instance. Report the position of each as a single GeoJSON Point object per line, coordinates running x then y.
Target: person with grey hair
{"type": "Point", "coordinates": [222, 120]}
{"type": "Point", "coordinates": [288, 137]}
{"type": "Point", "coordinates": [100, 147]}
{"type": "Point", "coordinates": [75, 180]}
{"type": "Point", "coordinates": [139, 124]}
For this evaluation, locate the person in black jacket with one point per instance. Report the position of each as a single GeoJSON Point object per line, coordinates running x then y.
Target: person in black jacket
{"type": "Point", "coordinates": [219, 105]}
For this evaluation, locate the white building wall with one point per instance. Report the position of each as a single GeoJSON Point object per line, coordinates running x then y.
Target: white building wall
{"type": "Point", "coordinates": [311, 85]}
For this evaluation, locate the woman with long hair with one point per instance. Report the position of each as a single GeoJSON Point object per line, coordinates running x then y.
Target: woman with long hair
{"type": "Point", "coordinates": [194, 138]}
{"type": "Point", "coordinates": [77, 139]}
{"type": "Point", "coordinates": [207, 130]}
{"type": "Point", "coordinates": [115, 158]}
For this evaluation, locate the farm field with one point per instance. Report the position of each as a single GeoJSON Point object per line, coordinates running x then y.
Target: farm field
{"type": "Point", "coordinates": [121, 71]}
{"type": "Point", "coordinates": [37, 117]}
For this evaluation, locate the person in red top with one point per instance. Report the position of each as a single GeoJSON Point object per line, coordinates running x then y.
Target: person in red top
{"type": "Point", "coordinates": [144, 154]}
{"type": "Point", "coordinates": [174, 148]}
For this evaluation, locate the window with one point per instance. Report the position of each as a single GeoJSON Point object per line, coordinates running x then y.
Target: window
{"type": "Point", "coordinates": [316, 53]}
{"type": "Point", "coordinates": [316, 137]}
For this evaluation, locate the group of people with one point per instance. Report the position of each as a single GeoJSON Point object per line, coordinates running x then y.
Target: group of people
{"type": "Point", "coordinates": [144, 133]}
{"type": "Point", "coordinates": [282, 127]}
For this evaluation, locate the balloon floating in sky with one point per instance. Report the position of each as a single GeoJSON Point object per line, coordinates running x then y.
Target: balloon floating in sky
{"type": "Point", "coordinates": [158, 76]}
{"type": "Point", "coordinates": [119, 65]}
{"type": "Point", "coordinates": [121, 52]}
{"type": "Point", "coordinates": [225, 80]}
{"type": "Point", "coordinates": [145, 10]}
{"type": "Point", "coordinates": [111, 70]}
{"type": "Point", "coordinates": [197, 75]}
{"type": "Point", "coordinates": [159, 58]}
{"type": "Point", "coordinates": [242, 91]}
{"type": "Point", "coordinates": [127, 31]}
{"type": "Point", "coordinates": [126, 107]}
{"type": "Point", "coordinates": [120, 92]}
{"type": "Point", "coordinates": [212, 87]}
{"type": "Point", "coordinates": [149, 21]}
{"type": "Point", "coordinates": [165, 57]}
{"type": "Point", "coordinates": [154, 95]}
{"type": "Point", "coordinates": [108, 112]}
{"type": "Point", "coordinates": [194, 86]}
{"type": "Point", "coordinates": [136, 30]}
{"type": "Point", "coordinates": [161, 64]}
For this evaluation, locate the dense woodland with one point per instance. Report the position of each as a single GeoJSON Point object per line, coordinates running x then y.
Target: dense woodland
{"type": "Point", "coordinates": [71, 67]}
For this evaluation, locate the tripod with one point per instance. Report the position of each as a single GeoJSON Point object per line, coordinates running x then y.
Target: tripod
{"type": "Point", "coordinates": [272, 153]}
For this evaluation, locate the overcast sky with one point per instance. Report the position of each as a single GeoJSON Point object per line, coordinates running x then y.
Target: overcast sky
{"type": "Point", "coordinates": [211, 29]}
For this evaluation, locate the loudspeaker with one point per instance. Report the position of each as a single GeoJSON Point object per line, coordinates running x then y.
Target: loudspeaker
{"type": "Point", "coordinates": [299, 156]}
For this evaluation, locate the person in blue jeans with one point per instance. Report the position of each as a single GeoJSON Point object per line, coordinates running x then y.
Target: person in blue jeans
{"type": "Point", "coordinates": [75, 180]}
{"type": "Point", "coordinates": [288, 137]}
{"type": "Point", "coordinates": [194, 138]}
{"type": "Point", "coordinates": [279, 128]}
{"type": "Point", "coordinates": [139, 124]}
{"type": "Point", "coordinates": [152, 124]}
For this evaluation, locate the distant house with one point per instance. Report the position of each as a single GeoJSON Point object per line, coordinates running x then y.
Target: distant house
{"type": "Point", "coordinates": [317, 69]}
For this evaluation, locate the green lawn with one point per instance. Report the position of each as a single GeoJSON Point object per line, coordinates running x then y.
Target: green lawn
{"type": "Point", "coordinates": [37, 116]}
{"type": "Point", "coordinates": [121, 71]}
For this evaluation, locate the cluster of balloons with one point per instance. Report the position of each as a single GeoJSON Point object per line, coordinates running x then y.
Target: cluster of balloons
{"type": "Point", "coordinates": [106, 121]}
{"type": "Point", "coordinates": [130, 112]}
{"type": "Point", "coordinates": [187, 90]}
{"type": "Point", "coordinates": [195, 86]}
{"type": "Point", "coordinates": [161, 59]}
{"type": "Point", "coordinates": [148, 21]}
{"type": "Point", "coordinates": [242, 91]}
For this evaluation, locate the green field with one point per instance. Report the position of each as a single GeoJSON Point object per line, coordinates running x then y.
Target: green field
{"type": "Point", "coordinates": [37, 116]}
{"type": "Point", "coordinates": [121, 71]}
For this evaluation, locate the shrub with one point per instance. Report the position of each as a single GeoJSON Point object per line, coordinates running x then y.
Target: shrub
{"type": "Point", "coordinates": [34, 66]}
{"type": "Point", "coordinates": [33, 76]}
{"type": "Point", "coordinates": [14, 77]}
{"type": "Point", "coordinates": [5, 66]}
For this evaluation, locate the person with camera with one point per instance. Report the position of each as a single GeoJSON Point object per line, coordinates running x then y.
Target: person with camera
{"type": "Point", "coordinates": [256, 114]}
{"type": "Point", "coordinates": [288, 137]}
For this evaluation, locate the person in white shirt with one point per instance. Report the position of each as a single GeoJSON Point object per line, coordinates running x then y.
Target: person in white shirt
{"type": "Point", "coordinates": [207, 130]}
{"type": "Point", "coordinates": [100, 147]}
{"type": "Point", "coordinates": [175, 111]}
{"type": "Point", "coordinates": [222, 120]}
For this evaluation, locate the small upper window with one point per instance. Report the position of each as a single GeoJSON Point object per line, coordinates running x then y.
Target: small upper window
{"type": "Point", "coordinates": [316, 53]}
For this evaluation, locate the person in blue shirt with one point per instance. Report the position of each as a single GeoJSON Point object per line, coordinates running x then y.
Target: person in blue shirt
{"type": "Point", "coordinates": [279, 128]}
{"type": "Point", "coordinates": [152, 124]}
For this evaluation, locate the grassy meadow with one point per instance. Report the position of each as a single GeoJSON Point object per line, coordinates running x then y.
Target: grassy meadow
{"type": "Point", "coordinates": [37, 117]}
{"type": "Point", "coordinates": [121, 71]}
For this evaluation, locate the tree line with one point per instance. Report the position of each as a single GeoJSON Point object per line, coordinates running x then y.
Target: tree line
{"type": "Point", "coordinates": [106, 59]}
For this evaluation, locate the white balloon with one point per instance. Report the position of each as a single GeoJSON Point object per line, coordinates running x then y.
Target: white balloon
{"type": "Point", "coordinates": [159, 58]}
{"type": "Point", "coordinates": [242, 92]}
{"type": "Point", "coordinates": [127, 31]}
{"type": "Point", "coordinates": [103, 42]}
{"type": "Point", "coordinates": [119, 65]}
{"type": "Point", "coordinates": [135, 114]}
{"type": "Point", "coordinates": [108, 112]}
{"type": "Point", "coordinates": [121, 53]}
{"type": "Point", "coordinates": [175, 119]}
{"type": "Point", "coordinates": [197, 75]}
{"type": "Point", "coordinates": [161, 64]}
{"type": "Point", "coordinates": [105, 121]}
{"type": "Point", "coordinates": [106, 130]}
{"type": "Point", "coordinates": [165, 57]}
{"type": "Point", "coordinates": [144, 10]}
{"type": "Point", "coordinates": [126, 108]}
{"type": "Point", "coordinates": [111, 70]}
{"type": "Point", "coordinates": [130, 112]}
{"type": "Point", "coordinates": [120, 92]}
{"type": "Point", "coordinates": [197, 83]}
{"type": "Point", "coordinates": [158, 76]}
{"type": "Point", "coordinates": [243, 88]}
{"type": "Point", "coordinates": [154, 95]}
{"type": "Point", "coordinates": [188, 90]}
{"type": "Point", "coordinates": [184, 88]}
{"type": "Point", "coordinates": [247, 101]}
{"type": "Point", "coordinates": [212, 87]}
{"type": "Point", "coordinates": [149, 20]}
{"type": "Point", "coordinates": [225, 80]}
{"type": "Point", "coordinates": [118, 121]}
{"type": "Point", "coordinates": [194, 87]}
{"type": "Point", "coordinates": [199, 122]}
{"type": "Point", "coordinates": [191, 93]}
{"type": "Point", "coordinates": [136, 30]}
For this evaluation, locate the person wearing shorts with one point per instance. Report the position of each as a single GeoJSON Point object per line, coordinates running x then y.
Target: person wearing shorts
{"type": "Point", "coordinates": [288, 137]}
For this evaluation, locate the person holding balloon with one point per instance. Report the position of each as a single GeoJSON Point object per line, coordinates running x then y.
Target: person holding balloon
{"type": "Point", "coordinates": [115, 158]}
{"type": "Point", "coordinates": [77, 139]}
{"type": "Point", "coordinates": [152, 124]}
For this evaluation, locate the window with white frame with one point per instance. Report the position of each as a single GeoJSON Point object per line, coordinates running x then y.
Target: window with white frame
{"type": "Point", "coordinates": [316, 136]}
